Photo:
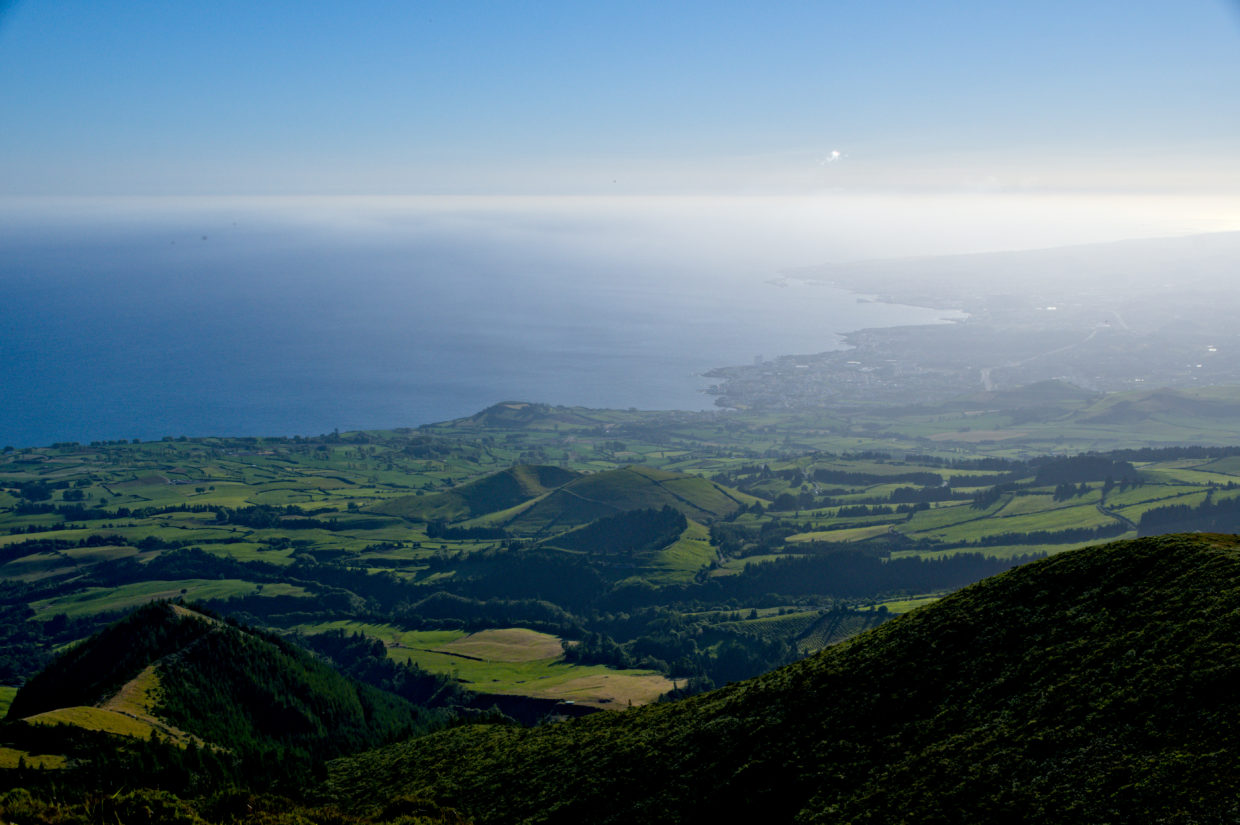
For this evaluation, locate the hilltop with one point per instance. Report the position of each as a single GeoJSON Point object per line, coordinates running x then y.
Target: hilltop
{"type": "Point", "coordinates": [1093, 686]}
{"type": "Point", "coordinates": [559, 499]}
{"type": "Point", "coordinates": [629, 488]}
{"type": "Point", "coordinates": [189, 678]}
{"type": "Point", "coordinates": [489, 494]}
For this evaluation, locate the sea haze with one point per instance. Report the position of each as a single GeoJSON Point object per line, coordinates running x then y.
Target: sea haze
{"type": "Point", "coordinates": [141, 321]}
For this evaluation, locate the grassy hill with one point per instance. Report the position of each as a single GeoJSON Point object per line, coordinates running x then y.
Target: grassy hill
{"type": "Point", "coordinates": [192, 678]}
{"type": "Point", "coordinates": [604, 494]}
{"type": "Point", "coordinates": [1058, 396]}
{"type": "Point", "coordinates": [1094, 686]}
{"type": "Point", "coordinates": [521, 414]}
{"type": "Point", "coordinates": [564, 499]}
{"type": "Point", "coordinates": [1129, 408]}
{"type": "Point", "coordinates": [489, 494]}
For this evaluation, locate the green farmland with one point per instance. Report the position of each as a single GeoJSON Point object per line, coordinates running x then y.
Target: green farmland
{"type": "Point", "coordinates": [647, 551]}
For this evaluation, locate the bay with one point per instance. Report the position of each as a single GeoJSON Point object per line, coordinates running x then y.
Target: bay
{"type": "Point", "coordinates": [234, 322]}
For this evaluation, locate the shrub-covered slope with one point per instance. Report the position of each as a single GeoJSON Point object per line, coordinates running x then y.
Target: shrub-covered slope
{"type": "Point", "coordinates": [628, 534]}
{"type": "Point", "coordinates": [1101, 685]}
{"type": "Point", "coordinates": [489, 494]}
{"type": "Point", "coordinates": [227, 686]}
{"type": "Point", "coordinates": [604, 494]}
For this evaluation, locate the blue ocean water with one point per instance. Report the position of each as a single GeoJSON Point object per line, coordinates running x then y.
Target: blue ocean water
{"type": "Point", "coordinates": [191, 324]}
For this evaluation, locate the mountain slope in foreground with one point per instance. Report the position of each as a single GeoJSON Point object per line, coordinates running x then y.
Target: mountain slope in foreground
{"type": "Point", "coordinates": [1101, 685]}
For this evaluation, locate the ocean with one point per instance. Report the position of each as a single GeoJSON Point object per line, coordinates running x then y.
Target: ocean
{"type": "Point", "coordinates": [135, 320]}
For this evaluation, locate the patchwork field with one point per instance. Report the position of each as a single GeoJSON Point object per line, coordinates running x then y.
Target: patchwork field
{"type": "Point", "coordinates": [533, 524]}
{"type": "Point", "coordinates": [106, 600]}
{"type": "Point", "coordinates": [512, 661]}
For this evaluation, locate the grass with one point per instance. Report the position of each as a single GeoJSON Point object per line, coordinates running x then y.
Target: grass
{"type": "Point", "coordinates": [6, 698]}
{"type": "Point", "coordinates": [905, 605]}
{"type": "Point", "coordinates": [512, 644]}
{"type": "Point", "coordinates": [37, 566]}
{"type": "Point", "coordinates": [732, 567]}
{"type": "Point", "coordinates": [386, 633]}
{"type": "Point", "coordinates": [1034, 502]}
{"type": "Point", "coordinates": [1225, 466]}
{"type": "Point", "coordinates": [1135, 511]}
{"type": "Point", "coordinates": [1058, 518]}
{"type": "Point", "coordinates": [12, 758]}
{"type": "Point", "coordinates": [94, 600]}
{"type": "Point", "coordinates": [545, 678]}
{"type": "Point", "coordinates": [512, 661]}
{"type": "Point", "coordinates": [946, 515]}
{"type": "Point", "coordinates": [97, 719]}
{"type": "Point", "coordinates": [605, 688]}
{"type": "Point", "coordinates": [789, 625]}
{"type": "Point", "coordinates": [1186, 475]}
{"type": "Point", "coordinates": [1003, 551]}
{"type": "Point", "coordinates": [1149, 493]}
{"type": "Point", "coordinates": [683, 451]}
{"type": "Point", "coordinates": [249, 551]}
{"type": "Point", "coordinates": [94, 555]}
{"type": "Point", "coordinates": [681, 560]}
{"type": "Point", "coordinates": [138, 696]}
{"type": "Point", "coordinates": [842, 536]}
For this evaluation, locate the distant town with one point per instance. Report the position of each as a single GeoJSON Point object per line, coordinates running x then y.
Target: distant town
{"type": "Point", "coordinates": [1029, 317]}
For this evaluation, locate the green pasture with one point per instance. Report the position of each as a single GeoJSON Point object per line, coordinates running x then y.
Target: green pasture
{"type": "Point", "coordinates": [64, 562]}
{"type": "Point", "coordinates": [1160, 494]}
{"type": "Point", "coordinates": [1060, 518]}
{"type": "Point", "coordinates": [1041, 501]}
{"type": "Point", "coordinates": [1184, 475]}
{"type": "Point", "coordinates": [1134, 512]}
{"type": "Point", "coordinates": [510, 661]}
{"type": "Point", "coordinates": [942, 516]}
{"type": "Point", "coordinates": [873, 494]}
{"type": "Point", "coordinates": [252, 551]}
{"type": "Point", "coordinates": [829, 518]}
{"type": "Point", "coordinates": [731, 567]}
{"type": "Point", "coordinates": [13, 758]}
{"type": "Point", "coordinates": [98, 719]}
{"type": "Point", "coordinates": [92, 600]}
{"type": "Point", "coordinates": [1005, 551]}
{"type": "Point", "coordinates": [7, 693]}
{"type": "Point", "coordinates": [545, 678]}
{"type": "Point", "coordinates": [367, 469]}
{"type": "Point", "coordinates": [788, 626]}
{"type": "Point", "coordinates": [390, 635]}
{"type": "Point", "coordinates": [681, 560]}
{"type": "Point", "coordinates": [905, 605]}
{"type": "Point", "coordinates": [842, 536]}
{"type": "Point", "coordinates": [1229, 466]}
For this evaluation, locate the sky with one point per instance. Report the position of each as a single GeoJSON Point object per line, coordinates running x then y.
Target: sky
{"type": "Point", "coordinates": [376, 97]}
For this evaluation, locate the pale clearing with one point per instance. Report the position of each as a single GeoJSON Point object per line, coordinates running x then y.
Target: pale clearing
{"type": "Point", "coordinates": [510, 644]}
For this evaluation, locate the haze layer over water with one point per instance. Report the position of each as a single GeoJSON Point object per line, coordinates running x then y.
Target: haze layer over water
{"type": "Point", "coordinates": [139, 319]}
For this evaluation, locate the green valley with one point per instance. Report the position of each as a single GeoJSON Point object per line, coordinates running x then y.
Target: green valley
{"type": "Point", "coordinates": [648, 542]}
{"type": "Point", "coordinates": [526, 566]}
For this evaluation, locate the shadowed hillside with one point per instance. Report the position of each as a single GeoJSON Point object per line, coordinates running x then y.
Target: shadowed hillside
{"type": "Point", "coordinates": [489, 494]}
{"type": "Point", "coordinates": [562, 499]}
{"type": "Point", "coordinates": [1131, 408]}
{"type": "Point", "coordinates": [616, 491]}
{"type": "Point", "coordinates": [194, 678]}
{"type": "Point", "coordinates": [1097, 685]}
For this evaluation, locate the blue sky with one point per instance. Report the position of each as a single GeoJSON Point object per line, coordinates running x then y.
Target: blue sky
{"type": "Point", "coordinates": [120, 97]}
